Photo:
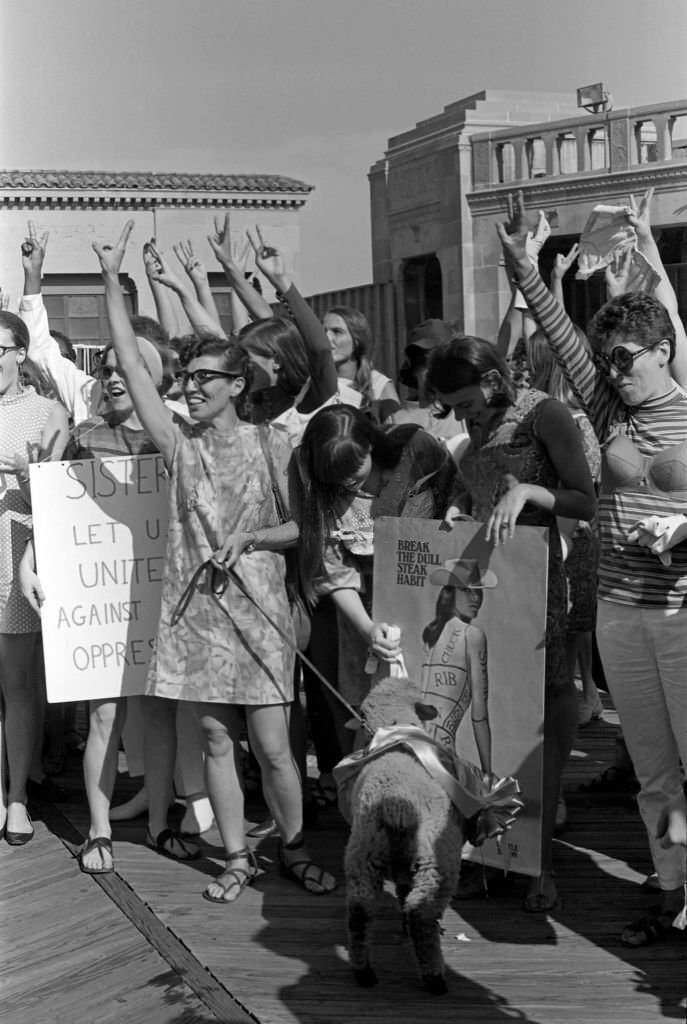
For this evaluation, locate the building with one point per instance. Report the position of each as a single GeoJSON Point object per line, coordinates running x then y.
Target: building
{"type": "Point", "coordinates": [440, 187]}
{"type": "Point", "coordinates": [79, 207]}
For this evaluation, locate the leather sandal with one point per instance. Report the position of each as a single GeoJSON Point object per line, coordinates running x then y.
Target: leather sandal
{"type": "Point", "coordinates": [239, 877]}
{"type": "Point", "coordinates": [103, 844]}
{"type": "Point", "coordinates": [304, 871]}
{"type": "Point", "coordinates": [166, 842]}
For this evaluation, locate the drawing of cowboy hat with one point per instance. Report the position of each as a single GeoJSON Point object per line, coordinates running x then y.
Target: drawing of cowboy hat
{"type": "Point", "coordinates": [465, 573]}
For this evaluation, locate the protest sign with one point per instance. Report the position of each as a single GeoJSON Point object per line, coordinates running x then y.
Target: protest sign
{"type": "Point", "coordinates": [473, 623]}
{"type": "Point", "coordinates": [100, 528]}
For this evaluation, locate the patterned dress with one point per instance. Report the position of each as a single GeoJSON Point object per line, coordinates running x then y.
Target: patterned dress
{"type": "Point", "coordinates": [514, 448]}
{"type": "Point", "coordinates": [222, 650]}
{"type": "Point", "coordinates": [22, 419]}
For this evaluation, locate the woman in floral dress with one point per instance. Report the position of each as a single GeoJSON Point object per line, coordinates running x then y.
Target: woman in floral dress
{"type": "Point", "coordinates": [221, 653]}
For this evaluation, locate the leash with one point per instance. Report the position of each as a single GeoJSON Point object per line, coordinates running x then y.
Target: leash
{"type": "Point", "coordinates": [217, 578]}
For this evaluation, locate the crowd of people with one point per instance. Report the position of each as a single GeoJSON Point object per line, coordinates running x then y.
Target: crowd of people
{"type": "Point", "coordinates": [282, 444]}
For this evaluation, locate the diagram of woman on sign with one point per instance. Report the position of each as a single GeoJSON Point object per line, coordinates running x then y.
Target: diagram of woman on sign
{"type": "Point", "coordinates": [454, 675]}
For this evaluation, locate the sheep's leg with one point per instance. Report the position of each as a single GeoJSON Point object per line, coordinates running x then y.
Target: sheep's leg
{"type": "Point", "coordinates": [364, 881]}
{"type": "Point", "coordinates": [425, 906]}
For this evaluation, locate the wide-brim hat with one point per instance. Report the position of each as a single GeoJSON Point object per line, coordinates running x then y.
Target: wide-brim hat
{"type": "Point", "coordinates": [465, 573]}
{"type": "Point", "coordinates": [666, 473]}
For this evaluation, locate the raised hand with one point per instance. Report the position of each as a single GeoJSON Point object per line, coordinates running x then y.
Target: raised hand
{"type": "Point", "coordinates": [111, 256]}
{"type": "Point", "coordinates": [190, 262]}
{"type": "Point", "coordinates": [161, 271]}
{"type": "Point", "coordinates": [639, 216]}
{"type": "Point", "coordinates": [514, 231]}
{"type": "Point", "coordinates": [563, 262]}
{"type": "Point", "coordinates": [33, 249]}
{"type": "Point", "coordinates": [269, 260]}
{"type": "Point", "coordinates": [151, 260]}
{"type": "Point", "coordinates": [617, 273]}
{"type": "Point", "coordinates": [220, 242]}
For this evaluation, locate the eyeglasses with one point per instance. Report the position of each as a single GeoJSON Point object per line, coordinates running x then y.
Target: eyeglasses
{"type": "Point", "coordinates": [621, 359]}
{"type": "Point", "coordinates": [201, 377]}
{"type": "Point", "coordinates": [4, 349]}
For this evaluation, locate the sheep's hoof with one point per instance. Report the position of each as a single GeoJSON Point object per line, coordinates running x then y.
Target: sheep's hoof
{"type": "Point", "coordinates": [435, 983]}
{"type": "Point", "coordinates": [366, 977]}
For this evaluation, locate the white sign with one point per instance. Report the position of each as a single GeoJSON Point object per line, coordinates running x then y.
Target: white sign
{"type": "Point", "coordinates": [100, 529]}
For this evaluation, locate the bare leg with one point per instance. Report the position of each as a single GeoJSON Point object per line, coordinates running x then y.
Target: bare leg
{"type": "Point", "coordinates": [19, 695]}
{"type": "Point", "coordinates": [106, 718]}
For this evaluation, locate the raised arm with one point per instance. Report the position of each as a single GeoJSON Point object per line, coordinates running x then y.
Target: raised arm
{"type": "Point", "coordinates": [164, 299]}
{"type": "Point", "coordinates": [232, 262]}
{"type": "Point", "coordinates": [148, 404]}
{"type": "Point", "coordinates": [561, 265]}
{"type": "Point", "coordinates": [197, 315]}
{"type": "Point", "coordinates": [77, 390]}
{"type": "Point", "coordinates": [639, 215]}
{"type": "Point", "coordinates": [270, 262]}
{"type": "Point", "coordinates": [576, 362]}
{"type": "Point", "coordinates": [199, 278]}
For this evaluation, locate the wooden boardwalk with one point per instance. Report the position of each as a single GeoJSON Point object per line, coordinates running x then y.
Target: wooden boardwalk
{"type": "Point", "coordinates": [140, 945]}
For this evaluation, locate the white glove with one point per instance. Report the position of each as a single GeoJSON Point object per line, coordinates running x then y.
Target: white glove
{"type": "Point", "coordinates": [659, 534]}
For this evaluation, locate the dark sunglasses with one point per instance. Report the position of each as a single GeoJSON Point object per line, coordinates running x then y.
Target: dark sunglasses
{"type": "Point", "coordinates": [104, 372]}
{"type": "Point", "coordinates": [201, 377]}
{"type": "Point", "coordinates": [621, 359]}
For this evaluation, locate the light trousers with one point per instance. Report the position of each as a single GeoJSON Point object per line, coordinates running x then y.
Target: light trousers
{"type": "Point", "coordinates": [644, 655]}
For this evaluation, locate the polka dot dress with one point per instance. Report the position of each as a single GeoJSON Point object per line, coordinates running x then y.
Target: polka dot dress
{"type": "Point", "coordinates": [22, 419]}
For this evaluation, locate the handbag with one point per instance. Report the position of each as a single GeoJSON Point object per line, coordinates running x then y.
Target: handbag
{"type": "Point", "coordinates": [299, 612]}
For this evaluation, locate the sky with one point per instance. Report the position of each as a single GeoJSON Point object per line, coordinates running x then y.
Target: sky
{"type": "Point", "coordinates": [312, 89]}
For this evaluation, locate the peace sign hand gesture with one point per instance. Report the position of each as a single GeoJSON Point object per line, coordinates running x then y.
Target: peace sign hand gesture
{"type": "Point", "coordinates": [639, 216]}
{"type": "Point", "coordinates": [514, 232]}
{"type": "Point", "coordinates": [33, 249]}
{"type": "Point", "coordinates": [269, 260]}
{"type": "Point", "coordinates": [111, 256]}
{"type": "Point", "coordinates": [190, 262]}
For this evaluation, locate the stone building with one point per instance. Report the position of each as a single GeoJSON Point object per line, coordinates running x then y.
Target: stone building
{"type": "Point", "coordinates": [79, 207]}
{"type": "Point", "coordinates": [440, 188]}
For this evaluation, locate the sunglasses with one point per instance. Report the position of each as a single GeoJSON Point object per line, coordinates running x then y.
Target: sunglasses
{"type": "Point", "coordinates": [201, 377]}
{"type": "Point", "coordinates": [4, 349]}
{"type": "Point", "coordinates": [621, 359]}
{"type": "Point", "coordinates": [104, 372]}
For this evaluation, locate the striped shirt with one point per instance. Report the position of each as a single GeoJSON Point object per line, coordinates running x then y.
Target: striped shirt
{"type": "Point", "coordinates": [628, 574]}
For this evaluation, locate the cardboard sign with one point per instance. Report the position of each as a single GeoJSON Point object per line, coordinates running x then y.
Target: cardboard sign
{"type": "Point", "coordinates": [100, 529]}
{"type": "Point", "coordinates": [473, 622]}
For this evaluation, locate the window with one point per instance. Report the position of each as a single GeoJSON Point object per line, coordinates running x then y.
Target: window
{"type": "Point", "coordinates": [76, 306]}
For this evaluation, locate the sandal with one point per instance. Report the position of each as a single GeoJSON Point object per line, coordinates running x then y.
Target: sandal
{"type": "Point", "coordinates": [239, 877]}
{"type": "Point", "coordinates": [544, 897]}
{"type": "Point", "coordinates": [173, 845]}
{"type": "Point", "coordinates": [304, 871]}
{"type": "Point", "coordinates": [656, 925]}
{"type": "Point", "coordinates": [323, 794]}
{"type": "Point", "coordinates": [103, 844]}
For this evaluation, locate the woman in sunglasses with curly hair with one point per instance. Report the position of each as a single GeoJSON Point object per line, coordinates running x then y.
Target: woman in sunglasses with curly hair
{"type": "Point", "coordinates": [633, 390]}
{"type": "Point", "coordinates": [218, 650]}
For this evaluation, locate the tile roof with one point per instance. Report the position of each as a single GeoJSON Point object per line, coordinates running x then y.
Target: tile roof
{"type": "Point", "coordinates": [150, 180]}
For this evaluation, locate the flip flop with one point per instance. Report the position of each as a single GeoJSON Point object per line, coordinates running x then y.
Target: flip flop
{"type": "Point", "coordinates": [164, 842]}
{"type": "Point", "coordinates": [239, 877]}
{"type": "Point", "coordinates": [103, 844]}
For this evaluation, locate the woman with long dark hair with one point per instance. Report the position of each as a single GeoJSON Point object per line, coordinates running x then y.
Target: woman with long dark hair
{"type": "Point", "coordinates": [524, 465]}
{"type": "Point", "coordinates": [349, 472]}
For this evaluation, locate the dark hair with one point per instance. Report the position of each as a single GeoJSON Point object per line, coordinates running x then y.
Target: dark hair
{"type": "Point", "coordinates": [462, 362]}
{"type": "Point", "coordinates": [17, 328]}
{"type": "Point", "coordinates": [336, 442]}
{"type": "Point", "coordinates": [278, 338]}
{"type": "Point", "coordinates": [146, 327]}
{"type": "Point", "coordinates": [232, 358]}
{"type": "Point", "coordinates": [66, 348]}
{"type": "Point", "coordinates": [363, 343]}
{"type": "Point", "coordinates": [638, 317]}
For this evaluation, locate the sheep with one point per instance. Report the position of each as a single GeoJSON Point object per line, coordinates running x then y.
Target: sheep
{"type": "Point", "coordinates": [404, 827]}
